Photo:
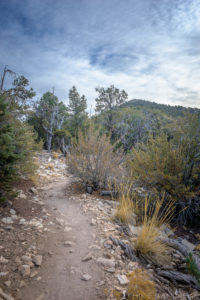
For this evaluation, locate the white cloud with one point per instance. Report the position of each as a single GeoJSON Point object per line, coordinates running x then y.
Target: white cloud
{"type": "Point", "coordinates": [145, 47]}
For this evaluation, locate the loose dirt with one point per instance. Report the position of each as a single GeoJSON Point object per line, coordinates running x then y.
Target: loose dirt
{"type": "Point", "coordinates": [62, 272]}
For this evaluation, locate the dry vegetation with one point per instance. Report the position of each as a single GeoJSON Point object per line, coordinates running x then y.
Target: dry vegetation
{"type": "Point", "coordinates": [153, 215]}
{"type": "Point", "coordinates": [140, 286]}
{"type": "Point", "coordinates": [92, 159]}
{"type": "Point", "coordinates": [125, 210]}
{"type": "Point", "coordinates": [55, 155]}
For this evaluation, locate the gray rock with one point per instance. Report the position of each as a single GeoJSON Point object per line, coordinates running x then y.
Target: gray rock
{"type": "Point", "coordinates": [25, 270]}
{"type": "Point", "coordinates": [68, 244]}
{"type": "Point", "coordinates": [85, 277]}
{"type": "Point", "coordinates": [33, 190]}
{"type": "Point", "coordinates": [87, 257]}
{"type": "Point", "coordinates": [7, 283]}
{"type": "Point", "coordinates": [110, 270]}
{"type": "Point", "coordinates": [3, 274]}
{"type": "Point", "coordinates": [67, 229]}
{"type": "Point", "coordinates": [22, 221]}
{"type": "Point", "coordinates": [188, 245]}
{"type": "Point", "coordinates": [22, 195]}
{"type": "Point", "coordinates": [93, 222]}
{"type": "Point", "coordinates": [33, 274]}
{"type": "Point", "coordinates": [12, 211]}
{"type": "Point", "coordinates": [123, 280]}
{"type": "Point", "coordinates": [3, 260]}
{"type": "Point", "coordinates": [108, 263]}
{"type": "Point", "coordinates": [26, 258]}
{"type": "Point", "coordinates": [7, 220]}
{"type": "Point", "coordinates": [37, 260]}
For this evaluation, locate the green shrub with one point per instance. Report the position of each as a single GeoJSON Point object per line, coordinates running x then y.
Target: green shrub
{"type": "Point", "coordinates": [8, 155]}
{"type": "Point", "coordinates": [17, 148]}
{"type": "Point", "coordinates": [192, 267]}
{"type": "Point", "coordinates": [161, 164]}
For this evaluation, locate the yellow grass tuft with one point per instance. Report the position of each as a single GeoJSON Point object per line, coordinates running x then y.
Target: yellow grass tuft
{"type": "Point", "coordinates": [50, 166]}
{"type": "Point", "coordinates": [148, 242]}
{"type": "Point", "coordinates": [34, 179]}
{"type": "Point", "coordinates": [55, 155]}
{"type": "Point", "coordinates": [124, 211]}
{"type": "Point", "coordinates": [140, 286]}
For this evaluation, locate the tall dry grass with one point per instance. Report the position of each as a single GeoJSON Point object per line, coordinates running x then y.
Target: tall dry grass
{"type": "Point", "coordinates": [153, 215]}
{"type": "Point", "coordinates": [125, 208]}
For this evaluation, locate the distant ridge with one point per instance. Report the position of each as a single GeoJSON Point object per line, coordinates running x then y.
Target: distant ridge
{"type": "Point", "coordinates": [168, 109]}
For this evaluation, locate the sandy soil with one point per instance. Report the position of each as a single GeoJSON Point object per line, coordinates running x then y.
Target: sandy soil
{"type": "Point", "coordinates": [61, 274]}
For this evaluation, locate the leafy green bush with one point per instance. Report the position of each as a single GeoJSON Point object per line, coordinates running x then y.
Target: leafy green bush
{"type": "Point", "coordinates": [162, 164]}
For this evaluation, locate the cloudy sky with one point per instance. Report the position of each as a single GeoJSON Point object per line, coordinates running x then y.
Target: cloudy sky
{"type": "Point", "coordinates": [150, 48]}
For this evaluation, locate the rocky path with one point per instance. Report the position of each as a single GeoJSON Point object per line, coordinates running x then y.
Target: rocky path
{"type": "Point", "coordinates": [55, 243]}
{"type": "Point", "coordinates": [71, 272]}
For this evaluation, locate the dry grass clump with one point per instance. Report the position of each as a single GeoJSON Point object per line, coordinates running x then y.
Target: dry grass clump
{"type": "Point", "coordinates": [34, 179]}
{"type": "Point", "coordinates": [148, 242]}
{"type": "Point", "coordinates": [55, 155]}
{"type": "Point", "coordinates": [140, 286]}
{"type": "Point", "coordinates": [50, 166]}
{"type": "Point", "coordinates": [125, 210]}
{"type": "Point", "coordinates": [94, 159]}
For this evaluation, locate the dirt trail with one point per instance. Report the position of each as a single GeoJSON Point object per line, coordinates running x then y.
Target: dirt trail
{"type": "Point", "coordinates": [61, 273]}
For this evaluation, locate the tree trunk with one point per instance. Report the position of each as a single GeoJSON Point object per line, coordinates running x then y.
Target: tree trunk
{"type": "Point", "coordinates": [49, 141]}
{"type": "Point", "coordinates": [62, 145]}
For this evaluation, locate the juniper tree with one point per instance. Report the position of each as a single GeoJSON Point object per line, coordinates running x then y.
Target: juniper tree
{"type": "Point", "coordinates": [77, 109]}
{"type": "Point", "coordinates": [51, 116]}
{"type": "Point", "coordinates": [108, 99]}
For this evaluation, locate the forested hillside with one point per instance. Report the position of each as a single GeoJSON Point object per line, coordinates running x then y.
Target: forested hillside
{"type": "Point", "coordinates": [173, 111]}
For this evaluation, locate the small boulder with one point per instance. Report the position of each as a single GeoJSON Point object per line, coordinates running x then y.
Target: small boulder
{"type": "Point", "coordinates": [26, 258]}
{"type": "Point", "coordinates": [108, 263]}
{"type": "Point", "coordinates": [22, 195]}
{"type": "Point", "coordinates": [188, 245]}
{"type": "Point", "coordinates": [7, 283]}
{"type": "Point", "coordinates": [87, 257]}
{"type": "Point", "coordinates": [68, 244]}
{"type": "Point", "coordinates": [12, 211]}
{"type": "Point", "coordinates": [111, 270]}
{"type": "Point", "coordinates": [123, 280]}
{"type": "Point", "coordinates": [67, 229]}
{"type": "Point", "coordinates": [14, 217]}
{"type": "Point", "coordinates": [7, 220]}
{"type": "Point", "coordinates": [25, 270]}
{"type": "Point", "coordinates": [37, 260]}
{"type": "Point", "coordinates": [33, 190]}
{"type": "Point", "coordinates": [3, 260]}
{"type": "Point", "coordinates": [93, 222]}
{"type": "Point", "coordinates": [85, 277]}
{"type": "Point", "coordinates": [22, 221]}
